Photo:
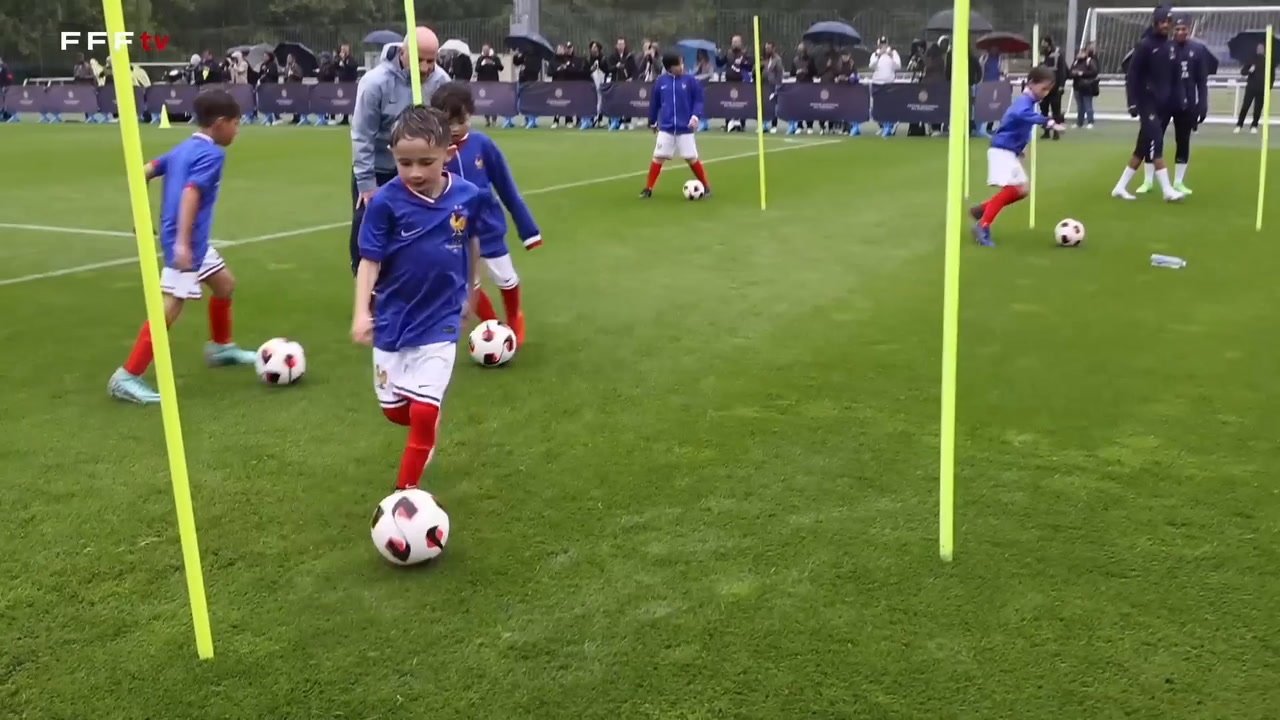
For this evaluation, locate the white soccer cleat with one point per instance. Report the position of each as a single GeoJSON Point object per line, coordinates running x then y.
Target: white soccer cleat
{"type": "Point", "coordinates": [1174, 196]}
{"type": "Point", "coordinates": [1236, 131]}
{"type": "Point", "coordinates": [1123, 194]}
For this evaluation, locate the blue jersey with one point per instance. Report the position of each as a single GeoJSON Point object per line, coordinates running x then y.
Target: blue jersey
{"type": "Point", "coordinates": [423, 247]}
{"type": "Point", "coordinates": [1149, 83]}
{"type": "Point", "coordinates": [1019, 121]}
{"type": "Point", "coordinates": [1191, 78]}
{"type": "Point", "coordinates": [674, 101]}
{"type": "Point", "coordinates": [480, 162]}
{"type": "Point", "coordinates": [195, 162]}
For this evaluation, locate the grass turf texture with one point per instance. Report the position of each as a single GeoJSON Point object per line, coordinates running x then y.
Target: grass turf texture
{"type": "Point", "coordinates": [707, 487]}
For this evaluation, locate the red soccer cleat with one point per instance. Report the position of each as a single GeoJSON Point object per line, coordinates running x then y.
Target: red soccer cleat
{"type": "Point", "coordinates": [517, 325]}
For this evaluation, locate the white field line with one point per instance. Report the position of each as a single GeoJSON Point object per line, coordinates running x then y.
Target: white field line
{"type": "Point", "coordinates": [89, 267]}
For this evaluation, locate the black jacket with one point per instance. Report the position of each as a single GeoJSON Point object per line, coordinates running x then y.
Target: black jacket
{"type": "Point", "coordinates": [347, 68]}
{"type": "Point", "coordinates": [1253, 74]}
{"type": "Point", "coordinates": [530, 68]}
{"type": "Point", "coordinates": [620, 67]}
{"type": "Point", "coordinates": [1058, 64]}
{"type": "Point", "coordinates": [1149, 81]}
{"type": "Point", "coordinates": [461, 67]}
{"type": "Point", "coordinates": [488, 68]}
{"type": "Point", "coordinates": [803, 68]}
{"type": "Point", "coordinates": [1084, 77]}
{"type": "Point", "coordinates": [736, 65]}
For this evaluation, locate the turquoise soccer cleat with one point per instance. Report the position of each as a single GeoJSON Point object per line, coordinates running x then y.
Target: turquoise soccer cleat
{"type": "Point", "coordinates": [131, 388]}
{"type": "Point", "coordinates": [230, 354]}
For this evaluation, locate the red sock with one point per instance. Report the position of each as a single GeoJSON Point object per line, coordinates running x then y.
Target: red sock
{"type": "Point", "coordinates": [511, 301]}
{"type": "Point", "coordinates": [700, 173]}
{"type": "Point", "coordinates": [655, 169]}
{"type": "Point", "coordinates": [1008, 195]}
{"type": "Point", "coordinates": [423, 421]}
{"type": "Point", "coordinates": [398, 414]}
{"type": "Point", "coordinates": [140, 357]}
{"type": "Point", "coordinates": [220, 320]}
{"type": "Point", "coordinates": [484, 306]}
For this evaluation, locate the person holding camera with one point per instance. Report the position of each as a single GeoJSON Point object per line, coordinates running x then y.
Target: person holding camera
{"type": "Point", "coordinates": [1085, 83]}
{"type": "Point", "coordinates": [885, 64]}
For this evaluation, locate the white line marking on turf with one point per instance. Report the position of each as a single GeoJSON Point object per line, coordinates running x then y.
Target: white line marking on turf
{"type": "Point", "coordinates": [89, 267]}
{"type": "Point", "coordinates": [66, 230]}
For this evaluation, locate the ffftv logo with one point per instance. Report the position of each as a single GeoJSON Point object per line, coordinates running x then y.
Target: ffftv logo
{"type": "Point", "coordinates": [89, 40]}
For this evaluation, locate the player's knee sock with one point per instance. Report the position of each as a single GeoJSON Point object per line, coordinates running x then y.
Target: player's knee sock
{"type": "Point", "coordinates": [1008, 195]}
{"type": "Point", "coordinates": [511, 301]}
{"type": "Point", "coordinates": [1125, 177]}
{"type": "Point", "coordinates": [1148, 169]}
{"type": "Point", "coordinates": [484, 306]}
{"type": "Point", "coordinates": [700, 172]}
{"type": "Point", "coordinates": [398, 414]}
{"type": "Point", "coordinates": [423, 420]}
{"type": "Point", "coordinates": [655, 169]}
{"type": "Point", "coordinates": [140, 357]}
{"type": "Point", "coordinates": [220, 319]}
{"type": "Point", "coordinates": [1166, 185]}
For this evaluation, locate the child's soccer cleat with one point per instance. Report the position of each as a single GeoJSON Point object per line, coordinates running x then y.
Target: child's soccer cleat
{"type": "Point", "coordinates": [982, 235]}
{"type": "Point", "coordinates": [1144, 188]}
{"type": "Point", "coordinates": [1182, 188]}
{"type": "Point", "coordinates": [230, 354]}
{"type": "Point", "coordinates": [517, 326]}
{"type": "Point", "coordinates": [646, 193]}
{"type": "Point", "coordinates": [131, 388]}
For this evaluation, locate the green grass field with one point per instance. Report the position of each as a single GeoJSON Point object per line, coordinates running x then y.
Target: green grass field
{"type": "Point", "coordinates": [707, 488]}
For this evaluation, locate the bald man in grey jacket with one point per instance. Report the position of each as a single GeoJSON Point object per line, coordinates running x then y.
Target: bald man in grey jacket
{"type": "Point", "coordinates": [383, 93]}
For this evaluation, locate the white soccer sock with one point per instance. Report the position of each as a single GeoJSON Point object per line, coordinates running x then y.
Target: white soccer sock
{"type": "Point", "coordinates": [1165, 185]}
{"type": "Point", "coordinates": [1147, 170]}
{"type": "Point", "coordinates": [1125, 177]}
{"type": "Point", "coordinates": [1180, 172]}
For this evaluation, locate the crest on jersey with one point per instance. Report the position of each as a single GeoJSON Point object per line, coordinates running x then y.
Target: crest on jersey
{"type": "Point", "coordinates": [458, 222]}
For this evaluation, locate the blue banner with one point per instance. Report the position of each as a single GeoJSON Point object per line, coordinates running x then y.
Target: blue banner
{"type": "Point", "coordinates": [912, 103]}
{"type": "Point", "coordinates": [824, 102]}
{"type": "Point", "coordinates": [23, 99]}
{"type": "Point", "coordinates": [70, 99]}
{"type": "Point", "coordinates": [279, 98]}
{"type": "Point", "coordinates": [332, 99]}
{"type": "Point", "coordinates": [991, 99]}
{"type": "Point", "coordinates": [625, 100]}
{"type": "Point", "coordinates": [494, 98]}
{"type": "Point", "coordinates": [730, 100]}
{"type": "Point", "coordinates": [107, 99]}
{"type": "Point", "coordinates": [558, 97]}
{"type": "Point", "coordinates": [177, 99]}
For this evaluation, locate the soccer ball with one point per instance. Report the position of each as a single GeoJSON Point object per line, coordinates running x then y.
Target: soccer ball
{"type": "Point", "coordinates": [409, 527]}
{"type": "Point", "coordinates": [280, 361]}
{"type": "Point", "coordinates": [694, 190]}
{"type": "Point", "coordinates": [1069, 233]}
{"type": "Point", "coordinates": [492, 344]}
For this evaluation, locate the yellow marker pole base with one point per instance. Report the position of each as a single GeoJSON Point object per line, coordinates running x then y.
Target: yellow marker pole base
{"type": "Point", "coordinates": [755, 22]}
{"type": "Point", "coordinates": [957, 165]}
{"type": "Point", "coordinates": [411, 52]}
{"type": "Point", "coordinates": [141, 206]}
{"type": "Point", "coordinates": [1269, 63]}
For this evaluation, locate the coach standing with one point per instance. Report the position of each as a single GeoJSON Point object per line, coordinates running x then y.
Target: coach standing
{"type": "Point", "coordinates": [382, 94]}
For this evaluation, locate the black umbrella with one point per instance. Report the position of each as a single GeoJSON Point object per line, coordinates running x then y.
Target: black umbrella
{"type": "Point", "coordinates": [253, 54]}
{"type": "Point", "coordinates": [1244, 46]}
{"type": "Point", "coordinates": [943, 22]}
{"type": "Point", "coordinates": [832, 32]}
{"type": "Point", "coordinates": [1004, 43]}
{"type": "Point", "coordinates": [306, 59]}
{"type": "Point", "coordinates": [531, 45]}
{"type": "Point", "coordinates": [382, 37]}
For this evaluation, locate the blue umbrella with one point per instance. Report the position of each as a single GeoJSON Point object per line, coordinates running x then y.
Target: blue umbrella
{"type": "Point", "coordinates": [382, 37]}
{"type": "Point", "coordinates": [1244, 46]}
{"type": "Point", "coordinates": [696, 45]}
{"type": "Point", "coordinates": [832, 33]}
{"type": "Point", "coordinates": [531, 44]}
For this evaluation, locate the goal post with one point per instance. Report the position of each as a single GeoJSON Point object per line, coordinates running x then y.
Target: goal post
{"type": "Point", "coordinates": [1113, 32]}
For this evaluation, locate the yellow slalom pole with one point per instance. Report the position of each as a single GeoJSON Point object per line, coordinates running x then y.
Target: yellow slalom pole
{"type": "Point", "coordinates": [133, 163]}
{"type": "Point", "coordinates": [755, 22]}
{"type": "Point", "coordinates": [1035, 136]}
{"type": "Point", "coordinates": [1266, 121]}
{"type": "Point", "coordinates": [956, 165]}
{"type": "Point", "coordinates": [411, 27]}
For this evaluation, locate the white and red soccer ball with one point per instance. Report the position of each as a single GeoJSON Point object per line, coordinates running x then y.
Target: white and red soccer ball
{"type": "Point", "coordinates": [1069, 233]}
{"type": "Point", "coordinates": [492, 344]}
{"type": "Point", "coordinates": [280, 361]}
{"type": "Point", "coordinates": [409, 527]}
{"type": "Point", "coordinates": [694, 190]}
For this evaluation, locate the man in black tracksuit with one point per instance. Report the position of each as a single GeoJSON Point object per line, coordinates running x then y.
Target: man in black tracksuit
{"type": "Point", "coordinates": [1149, 86]}
{"type": "Point", "coordinates": [1253, 89]}
{"type": "Point", "coordinates": [1190, 95]}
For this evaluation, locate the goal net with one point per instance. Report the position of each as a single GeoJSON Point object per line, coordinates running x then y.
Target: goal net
{"type": "Point", "coordinates": [1112, 32]}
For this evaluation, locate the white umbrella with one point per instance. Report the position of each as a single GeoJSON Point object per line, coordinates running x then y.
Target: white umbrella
{"type": "Point", "coordinates": [455, 46]}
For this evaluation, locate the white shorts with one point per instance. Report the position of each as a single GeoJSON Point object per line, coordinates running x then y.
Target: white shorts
{"type": "Point", "coordinates": [420, 374]}
{"type": "Point", "coordinates": [186, 285]}
{"type": "Point", "coordinates": [669, 143]}
{"type": "Point", "coordinates": [502, 271]}
{"type": "Point", "coordinates": [1004, 168]}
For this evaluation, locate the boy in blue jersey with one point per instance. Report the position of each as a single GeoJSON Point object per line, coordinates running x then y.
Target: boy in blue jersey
{"type": "Point", "coordinates": [419, 255]}
{"type": "Point", "coordinates": [479, 161]}
{"type": "Point", "coordinates": [1004, 164]}
{"type": "Point", "coordinates": [1149, 87]}
{"type": "Point", "coordinates": [675, 111]}
{"type": "Point", "coordinates": [192, 174]}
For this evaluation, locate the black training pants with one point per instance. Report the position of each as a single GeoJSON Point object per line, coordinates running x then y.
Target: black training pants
{"type": "Point", "coordinates": [1252, 96]}
{"type": "Point", "coordinates": [357, 215]}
